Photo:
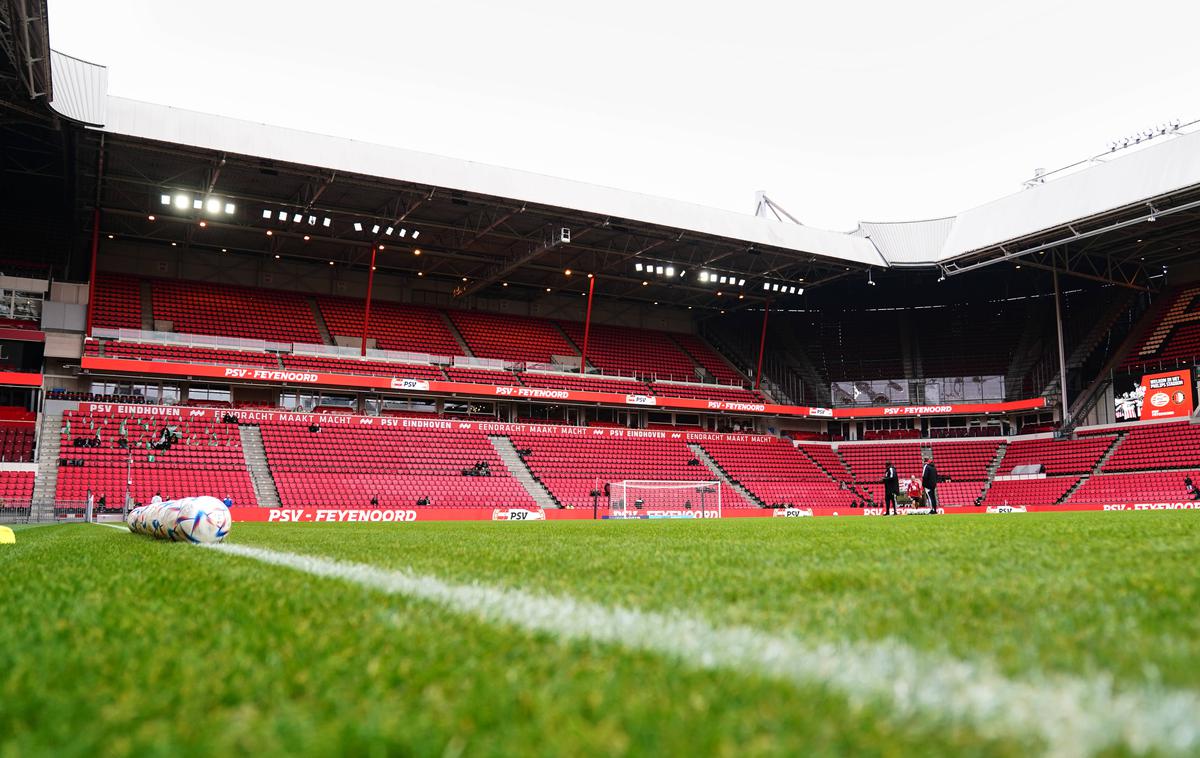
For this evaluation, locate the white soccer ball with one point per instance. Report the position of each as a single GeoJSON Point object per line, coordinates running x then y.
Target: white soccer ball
{"type": "Point", "coordinates": [202, 520]}
{"type": "Point", "coordinates": [835, 513]}
{"type": "Point", "coordinates": [169, 519]}
{"type": "Point", "coordinates": [131, 518]}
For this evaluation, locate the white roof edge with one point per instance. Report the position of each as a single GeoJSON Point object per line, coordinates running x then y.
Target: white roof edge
{"type": "Point", "coordinates": [81, 94]}
{"type": "Point", "coordinates": [202, 130]}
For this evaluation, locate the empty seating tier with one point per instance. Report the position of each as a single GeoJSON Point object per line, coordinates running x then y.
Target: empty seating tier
{"type": "Point", "coordinates": [118, 301]}
{"type": "Point", "coordinates": [584, 383]}
{"type": "Point", "coordinates": [369, 368]}
{"type": "Point", "coordinates": [531, 340]}
{"type": "Point", "coordinates": [409, 328]}
{"type": "Point", "coordinates": [1057, 456]}
{"type": "Point", "coordinates": [628, 351]}
{"type": "Point", "coordinates": [1176, 333]}
{"type": "Point", "coordinates": [206, 460]}
{"type": "Point", "coordinates": [1157, 446]}
{"type": "Point", "coordinates": [1142, 487]}
{"type": "Point", "coordinates": [16, 489]}
{"type": "Point", "coordinates": [231, 311]}
{"type": "Point", "coordinates": [777, 474]}
{"type": "Point", "coordinates": [179, 354]}
{"type": "Point", "coordinates": [1041, 491]}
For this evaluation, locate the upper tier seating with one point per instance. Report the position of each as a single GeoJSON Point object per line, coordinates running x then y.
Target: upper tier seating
{"type": "Point", "coordinates": [628, 351]}
{"type": "Point", "coordinates": [702, 353]}
{"type": "Point", "coordinates": [207, 459]}
{"type": "Point", "coordinates": [514, 338]}
{"type": "Point", "coordinates": [776, 473]}
{"type": "Point", "coordinates": [347, 466]}
{"type": "Point", "coordinates": [118, 301]}
{"type": "Point", "coordinates": [231, 311]}
{"type": "Point", "coordinates": [409, 328]}
{"type": "Point", "coordinates": [171, 353]}
{"type": "Point", "coordinates": [572, 467]}
{"type": "Point", "coordinates": [1144, 487]}
{"type": "Point", "coordinates": [1157, 446]}
{"type": "Point", "coordinates": [16, 489]}
{"type": "Point", "coordinates": [1176, 334]}
{"type": "Point", "coordinates": [826, 457]}
{"type": "Point", "coordinates": [1046, 491]}
{"type": "Point", "coordinates": [1058, 456]}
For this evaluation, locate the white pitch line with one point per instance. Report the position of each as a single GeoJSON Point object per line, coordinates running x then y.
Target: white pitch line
{"type": "Point", "coordinates": [1073, 716]}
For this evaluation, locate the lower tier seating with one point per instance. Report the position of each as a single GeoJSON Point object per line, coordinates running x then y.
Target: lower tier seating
{"type": "Point", "coordinates": [777, 474]}
{"type": "Point", "coordinates": [16, 489]}
{"type": "Point", "coordinates": [1142, 487]}
{"type": "Point", "coordinates": [1045, 491]}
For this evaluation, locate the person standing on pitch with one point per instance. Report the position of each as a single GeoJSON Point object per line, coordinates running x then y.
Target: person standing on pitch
{"type": "Point", "coordinates": [929, 480]}
{"type": "Point", "coordinates": [891, 488]}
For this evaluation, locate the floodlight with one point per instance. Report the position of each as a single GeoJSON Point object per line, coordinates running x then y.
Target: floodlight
{"type": "Point", "coordinates": [766, 285]}
{"type": "Point", "coordinates": [416, 233]}
{"type": "Point", "coordinates": [230, 208]}
{"type": "Point", "coordinates": [181, 202]}
{"type": "Point", "coordinates": [375, 229]}
{"type": "Point", "coordinates": [704, 276]}
{"type": "Point", "coordinates": [283, 215]}
{"type": "Point", "coordinates": [213, 205]}
{"type": "Point", "coordinates": [166, 199]}
{"type": "Point", "coordinates": [297, 218]}
{"type": "Point", "coordinates": [197, 204]}
{"type": "Point", "coordinates": [791, 290]}
{"type": "Point", "coordinates": [312, 220]}
{"type": "Point", "coordinates": [724, 280]}
{"type": "Point", "coordinates": [670, 271]}
{"type": "Point", "coordinates": [774, 287]}
{"type": "Point", "coordinates": [637, 267]}
{"type": "Point", "coordinates": [741, 282]}
{"type": "Point", "coordinates": [388, 231]}
{"type": "Point", "coordinates": [326, 222]}
{"type": "Point", "coordinates": [799, 290]}
{"type": "Point", "coordinates": [357, 226]}
{"type": "Point", "coordinates": [658, 270]}
{"type": "Point", "coordinates": [267, 213]}
{"type": "Point", "coordinates": [403, 232]}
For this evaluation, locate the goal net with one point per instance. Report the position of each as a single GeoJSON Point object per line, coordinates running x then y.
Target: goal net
{"type": "Point", "coordinates": [637, 498]}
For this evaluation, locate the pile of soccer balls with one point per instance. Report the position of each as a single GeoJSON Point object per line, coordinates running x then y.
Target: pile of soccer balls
{"type": "Point", "coordinates": [191, 519]}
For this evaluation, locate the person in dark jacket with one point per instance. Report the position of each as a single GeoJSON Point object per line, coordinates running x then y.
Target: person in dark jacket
{"type": "Point", "coordinates": [891, 488]}
{"type": "Point", "coordinates": [929, 480]}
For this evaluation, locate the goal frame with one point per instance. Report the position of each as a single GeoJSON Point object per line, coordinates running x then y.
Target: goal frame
{"type": "Point", "coordinates": [686, 499]}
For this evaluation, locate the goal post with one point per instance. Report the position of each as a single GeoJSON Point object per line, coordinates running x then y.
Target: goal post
{"type": "Point", "coordinates": [648, 498]}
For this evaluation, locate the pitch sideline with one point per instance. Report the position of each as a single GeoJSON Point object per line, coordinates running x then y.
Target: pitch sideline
{"type": "Point", "coordinates": [1073, 716]}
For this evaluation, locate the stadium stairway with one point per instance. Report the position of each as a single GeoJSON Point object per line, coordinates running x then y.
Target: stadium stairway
{"type": "Point", "coordinates": [319, 318]}
{"type": "Point", "coordinates": [457, 335]}
{"type": "Point", "coordinates": [1095, 470]}
{"type": "Point", "coordinates": [265, 491]}
{"type": "Point", "coordinates": [45, 484]}
{"type": "Point", "coordinates": [993, 467]}
{"type": "Point", "coordinates": [719, 472]}
{"type": "Point", "coordinates": [516, 466]}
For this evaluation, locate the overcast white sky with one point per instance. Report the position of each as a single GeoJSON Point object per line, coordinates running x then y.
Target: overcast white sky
{"type": "Point", "coordinates": [842, 112]}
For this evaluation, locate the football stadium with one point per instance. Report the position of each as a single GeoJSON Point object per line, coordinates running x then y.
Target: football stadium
{"type": "Point", "coordinates": [271, 401]}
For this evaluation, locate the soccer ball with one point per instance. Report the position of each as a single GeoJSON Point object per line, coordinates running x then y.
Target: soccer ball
{"type": "Point", "coordinates": [131, 518]}
{"type": "Point", "coordinates": [169, 519]}
{"type": "Point", "coordinates": [202, 520]}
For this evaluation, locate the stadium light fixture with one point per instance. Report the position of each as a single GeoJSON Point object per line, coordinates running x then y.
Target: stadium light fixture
{"type": "Point", "coordinates": [213, 205]}
{"type": "Point", "coordinates": [181, 202]}
{"type": "Point", "coordinates": [151, 217]}
{"type": "Point", "coordinates": [774, 287]}
{"type": "Point", "coordinates": [326, 222]}
{"type": "Point", "coordinates": [307, 238]}
{"type": "Point", "coordinates": [766, 285]}
{"type": "Point", "coordinates": [165, 199]}
{"type": "Point", "coordinates": [312, 220]}
{"type": "Point", "coordinates": [741, 282]}
{"type": "Point", "coordinates": [276, 256]}
{"type": "Point", "coordinates": [658, 270]}
{"type": "Point", "coordinates": [704, 276]}
{"type": "Point", "coordinates": [871, 277]}
{"type": "Point", "coordinates": [645, 283]}
{"type": "Point", "coordinates": [357, 226]}
{"type": "Point", "coordinates": [388, 231]}
{"type": "Point", "coordinates": [375, 229]}
{"type": "Point", "coordinates": [283, 215]}
{"type": "Point", "coordinates": [670, 271]}
{"type": "Point", "coordinates": [267, 213]}
{"type": "Point", "coordinates": [203, 224]}
{"type": "Point", "coordinates": [229, 209]}
{"type": "Point", "coordinates": [416, 233]}
{"type": "Point", "coordinates": [270, 233]}
{"type": "Point", "coordinates": [297, 218]}
{"type": "Point", "coordinates": [567, 272]}
{"type": "Point", "coordinates": [197, 204]}
{"type": "Point", "coordinates": [110, 236]}
{"type": "Point", "coordinates": [503, 284]}
{"type": "Point", "coordinates": [174, 244]}
{"type": "Point", "coordinates": [637, 267]}
{"type": "Point", "coordinates": [417, 251]}
{"type": "Point", "coordinates": [799, 290]}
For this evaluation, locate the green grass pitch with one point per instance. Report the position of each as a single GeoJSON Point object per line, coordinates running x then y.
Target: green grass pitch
{"type": "Point", "coordinates": [114, 644]}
